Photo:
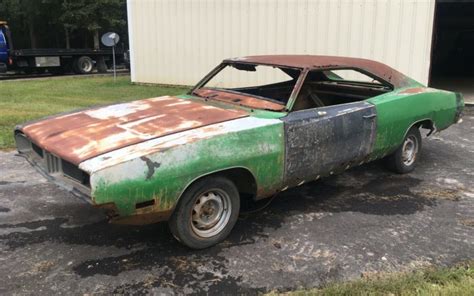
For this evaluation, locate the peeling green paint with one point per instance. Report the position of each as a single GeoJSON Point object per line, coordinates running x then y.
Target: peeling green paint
{"type": "Point", "coordinates": [180, 165]}
{"type": "Point", "coordinates": [398, 111]}
{"type": "Point", "coordinates": [257, 149]}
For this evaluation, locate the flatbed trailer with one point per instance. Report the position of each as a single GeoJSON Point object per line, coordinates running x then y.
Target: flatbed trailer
{"type": "Point", "coordinates": [53, 60]}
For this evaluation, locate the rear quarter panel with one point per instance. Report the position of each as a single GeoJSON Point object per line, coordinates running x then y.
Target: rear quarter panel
{"type": "Point", "coordinates": [399, 110]}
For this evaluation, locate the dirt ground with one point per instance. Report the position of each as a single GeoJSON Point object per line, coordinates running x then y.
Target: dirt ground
{"type": "Point", "coordinates": [364, 221]}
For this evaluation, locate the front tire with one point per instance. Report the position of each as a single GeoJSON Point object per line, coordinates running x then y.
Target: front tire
{"type": "Point", "coordinates": [206, 213]}
{"type": "Point", "coordinates": [404, 159]}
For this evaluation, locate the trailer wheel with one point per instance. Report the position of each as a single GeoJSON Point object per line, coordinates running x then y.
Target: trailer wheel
{"type": "Point", "coordinates": [83, 65]}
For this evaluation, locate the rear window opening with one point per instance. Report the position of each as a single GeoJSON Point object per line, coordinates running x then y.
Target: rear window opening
{"type": "Point", "coordinates": [338, 86]}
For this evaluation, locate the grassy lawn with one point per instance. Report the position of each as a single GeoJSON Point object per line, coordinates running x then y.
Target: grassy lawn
{"type": "Point", "coordinates": [458, 280]}
{"type": "Point", "coordinates": [21, 101]}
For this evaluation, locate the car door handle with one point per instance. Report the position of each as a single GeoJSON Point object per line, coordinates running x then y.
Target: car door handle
{"type": "Point", "coordinates": [369, 116]}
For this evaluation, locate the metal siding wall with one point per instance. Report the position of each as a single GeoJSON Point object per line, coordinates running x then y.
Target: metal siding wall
{"type": "Point", "coordinates": [179, 41]}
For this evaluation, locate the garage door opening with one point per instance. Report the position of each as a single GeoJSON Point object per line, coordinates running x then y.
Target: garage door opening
{"type": "Point", "coordinates": [452, 55]}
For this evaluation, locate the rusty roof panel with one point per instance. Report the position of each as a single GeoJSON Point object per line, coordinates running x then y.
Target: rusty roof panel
{"type": "Point", "coordinates": [79, 136]}
{"type": "Point", "coordinates": [383, 71]}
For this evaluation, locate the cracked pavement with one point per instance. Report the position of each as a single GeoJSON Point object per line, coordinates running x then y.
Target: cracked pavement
{"type": "Point", "coordinates": [366, 220]}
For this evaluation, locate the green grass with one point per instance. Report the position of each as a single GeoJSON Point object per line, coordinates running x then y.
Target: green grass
{"type": "Point", "coordinates": [25, 100]}
{"type": "Point", "coordinates": [458, 280]}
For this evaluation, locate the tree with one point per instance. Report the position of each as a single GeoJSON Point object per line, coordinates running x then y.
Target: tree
{"type": "Point", "coordinates": [93, 15]}
{"type": "Point", "coordinates": [25, 13]}
{"type": "Point", "coordinates": [50, 19]}
{"type": "Point", "coordinates": [53, 12]}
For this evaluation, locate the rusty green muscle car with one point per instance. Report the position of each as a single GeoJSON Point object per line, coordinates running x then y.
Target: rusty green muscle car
{"type": "Point", "coordinates": [254, 126]}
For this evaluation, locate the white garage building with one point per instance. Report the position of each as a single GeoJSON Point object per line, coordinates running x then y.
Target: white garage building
{"type": "Point", "coordinates": [179, 41]}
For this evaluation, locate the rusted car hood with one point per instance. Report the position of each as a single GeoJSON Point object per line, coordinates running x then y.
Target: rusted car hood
{"type": "Point", "coordinates": [82, 135]}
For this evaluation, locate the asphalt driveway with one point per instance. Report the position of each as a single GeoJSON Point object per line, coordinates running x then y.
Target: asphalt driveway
{"type": "Point", "coordinates": [364, 221]}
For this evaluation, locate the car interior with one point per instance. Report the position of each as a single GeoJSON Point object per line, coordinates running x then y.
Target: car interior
{"type": "Point", "coordinates": [320, 88]}
{"type": "Point", "coordinates": [329, 87]}
{"type": "Point", "coordinates": [278, 92]}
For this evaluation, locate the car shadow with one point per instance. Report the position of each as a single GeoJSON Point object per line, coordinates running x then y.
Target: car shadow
{"type": "Point", "coordinates": [367, 189]}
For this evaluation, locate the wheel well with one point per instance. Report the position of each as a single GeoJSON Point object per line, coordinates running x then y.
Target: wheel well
{"type": "Point", "coordinates": [243, 179]}
{"type": "Point", "coordinates": [426, 124]}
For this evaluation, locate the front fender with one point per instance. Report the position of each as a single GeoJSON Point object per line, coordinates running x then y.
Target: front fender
{"type": "Point", "coordinates": [156, 173]}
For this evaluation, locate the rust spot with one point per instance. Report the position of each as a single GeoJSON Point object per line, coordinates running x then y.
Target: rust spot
{"type": "Point", "coordinates": [82, 135]}
{"type": "Point", "coordinates": [265, 192]}
{"type": "Point", "coordinates": [415, 90]}
{"type": "Point", "coordinates": [142, 219]}
{"type": "Point", "coordinates": [239, 99]}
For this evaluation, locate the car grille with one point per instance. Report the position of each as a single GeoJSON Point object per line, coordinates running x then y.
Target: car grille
{"type": "Point", "coordinates": [72, 171]}
{"type": "Point", "coordinates": [50, 162]}
{"type": "Point", "coordinates": [37, 150]}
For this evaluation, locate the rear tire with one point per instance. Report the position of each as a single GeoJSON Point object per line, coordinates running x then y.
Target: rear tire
{"type": "Point", "coordinates": [404, 159]}
{"type": "Point", "coordinates": [83, 65]}
{"type": "Point", "coordinates": [206, 213]}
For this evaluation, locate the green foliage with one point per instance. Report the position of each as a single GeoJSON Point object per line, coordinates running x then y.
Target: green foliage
{"type": "Point", "coordinates": [458, 280]}
{"type": "Point", "coordinates": [27, 100]}
{"type": "Point", "coordinates": [48, 23]}
{"type": "Point", "coordinates": [93, 14]}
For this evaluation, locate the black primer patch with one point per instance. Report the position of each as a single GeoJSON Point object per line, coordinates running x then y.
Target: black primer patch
{"type": "Point", "coordinates": [321, 140]}
{"type": "Point", "coordinates": [152, 165]}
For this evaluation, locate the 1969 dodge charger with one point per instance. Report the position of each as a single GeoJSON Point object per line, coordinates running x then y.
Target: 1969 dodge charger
{"type": "Point", "coordinates": [254, 126]}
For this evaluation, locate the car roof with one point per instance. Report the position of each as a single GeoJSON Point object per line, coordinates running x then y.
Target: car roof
{"type": "Point", "coordinates": [397, 79]}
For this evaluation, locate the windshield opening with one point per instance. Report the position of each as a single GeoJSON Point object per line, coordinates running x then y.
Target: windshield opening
{"type": "Point", "coordinates": [247, 84]}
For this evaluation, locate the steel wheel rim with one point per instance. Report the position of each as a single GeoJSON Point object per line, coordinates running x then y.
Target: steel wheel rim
{"type": "Point", "coordinates": [409, 150]}
{"type": "Point", "coordinates": [210, 213]}
{"type": "Point", "coordinates": [86, 66]}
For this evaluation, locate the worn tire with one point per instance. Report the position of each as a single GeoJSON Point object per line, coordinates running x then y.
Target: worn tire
{"type": "Point", "coordinates": [398, 161]}
{"type": "Point", "coordinates": [183, 221]}
{"type": "Point", "coordinates": [83, 65]}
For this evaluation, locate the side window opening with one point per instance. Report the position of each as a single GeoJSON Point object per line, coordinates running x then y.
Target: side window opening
{"type": "Point", "coordinates": [337, 86]}
{"type": "Point", "coordinates": [347, 75]}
